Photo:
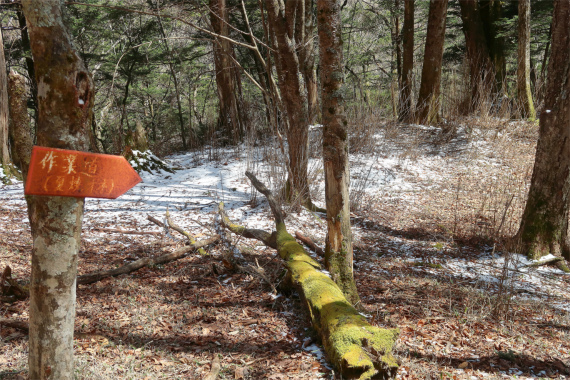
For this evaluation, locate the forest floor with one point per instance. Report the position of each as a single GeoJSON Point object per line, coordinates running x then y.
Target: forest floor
{"type": "Point", "coordinates": [430, 210]}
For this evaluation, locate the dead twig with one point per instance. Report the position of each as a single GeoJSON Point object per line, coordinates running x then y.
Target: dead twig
{"type": "Point", "coordinates": [309, 243]}
{"type": "Point", "coordinates": [146, 261]}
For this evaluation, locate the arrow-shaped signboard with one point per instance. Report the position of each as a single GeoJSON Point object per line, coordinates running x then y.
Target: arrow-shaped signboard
{"type": "Point", "coordinates": [70, 173]}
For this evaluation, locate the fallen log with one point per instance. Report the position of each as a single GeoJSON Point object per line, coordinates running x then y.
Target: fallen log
{"type": "Point", "coordinates": [356, 348]}
{"type": "Point", "coordinates": [145, 261]}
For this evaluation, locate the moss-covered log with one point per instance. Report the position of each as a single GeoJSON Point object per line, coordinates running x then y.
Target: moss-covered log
{"type": "Point", "coordinates": [356, 348]}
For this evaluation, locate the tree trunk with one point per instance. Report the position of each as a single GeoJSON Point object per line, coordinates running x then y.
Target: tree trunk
{"type": "Point", "coordinates": [353, 346]}
{"type": "Point", "coordinates": [544, 226]}
{"type": "Point", "coordinates": [20, 121]}
{"type": "Point", "coordinates": [304, 36]}
{"type": "Point", "coordinates": [405, 103]}
{"type": "Point", "coordinates": [481, 71]}
{"type": "Point", "coordinates": [491, 11]}
{"type": "Point", "coordinates": [294, 97]}
{"type": "Point", "coordinates": [65, 97]}
{"type": "Point", "coordinates": [230, 121]}
{"type": "Point", "coordinates": [174, 79]}
{"type": "Point", "coordinates": [428, 100]}
{"type": "Point", "coordinates": [338, 251]}
{"type": "Point", "coordinates": [524, 93]}
{"type": "Point", "coordinates": [29, 61]}
{"type": "Point", "coordinates": [5, 161]}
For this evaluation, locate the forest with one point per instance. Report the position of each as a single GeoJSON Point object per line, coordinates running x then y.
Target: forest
{"type": "Point", "coordinates": [284, 189]}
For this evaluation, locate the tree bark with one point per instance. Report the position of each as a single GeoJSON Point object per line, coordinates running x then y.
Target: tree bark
{"type": "Point", "coordinates": [491, 11]}
{"type": "Point", "coordinates": [20, 121]}
{"type": "Point", "coordinates": [230, 120]}
{"type": "Point", "coordinates": [338, 250]}
{"type": "Point", "coordinates": [356, 348]}
{"type": "Point", "coordinates": [5, 161]}
{"type": "Point", "coordinates": [544, 225]}
{"type": "Point", "coordinates": [65, 97]}
{"type": "Point", "coordinates": [524, 93]}
{"type": "Point", "coordinates": [481, 70]}
{"type": "Point", "coordinates": [428, 100]}
{"type": "Point", "coordinates": [294, 96]}
{"type": "Point", "coordinates": [405, 103]}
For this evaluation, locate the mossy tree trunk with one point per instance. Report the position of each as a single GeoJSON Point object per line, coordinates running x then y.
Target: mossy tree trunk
{"type": "Point", "coordinates": [544, 226]}
{"type": "Point", "coordinates": [356, 348]}
{"type": "Point", "coordinates": [428, 100]}
{"type": "Point", "coordinates": [65, 99]}
{"type": "Point", "coordinates": [19, 128]}
{"type": "Point", "coordinates": [338, 251]}
{"type": "Point", "coordinates": [524, 93]}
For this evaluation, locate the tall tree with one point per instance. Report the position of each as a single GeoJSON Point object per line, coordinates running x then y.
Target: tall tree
{"type": "Point", "coordinates": [173, 75]}
{"type": "Point", "coordinates": [481, 70]}
{"type": "Point", "coordinates": [524, 93]}
{"type": "Point", "coordinates": [491, 12]}
{"type": "Point", "coordinates": [405, 102]}
{"type": "Point", "coordinates": [281, 17]}
{"type": "Point", "coordinates": [428, 100]}
{"type": "Point", "coordinates": [544, 225]}
{"type": "Point", "coordinates": [230, 119]}
{"type": "Point", "coordinates": [4, 149]}
{"type": "Point", "coordinates": [338, 252]}
{"type": "Point", "coordinates": [65, 97]}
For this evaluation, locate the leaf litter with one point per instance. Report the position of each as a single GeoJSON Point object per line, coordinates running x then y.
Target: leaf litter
{"type": "Point", "coordinates": [427, 226]}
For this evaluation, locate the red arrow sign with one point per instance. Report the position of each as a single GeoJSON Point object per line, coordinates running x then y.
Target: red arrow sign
{"type": "Point", "coordinates": [70, 173]}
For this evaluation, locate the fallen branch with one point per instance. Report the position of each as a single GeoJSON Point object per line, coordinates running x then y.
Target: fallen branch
{"type": "Point", "coordinates": [181, 231]}
{"type": "Point", "coordinates": [356, 348]}
{"type": "Point", "coordinates": [250, 233]}
{"type": "Point", "coordinates": [10, 290]}
{"type": "Point", "coordinates": [127, 232]}
{"type": "Point", "coordinates": [309, 243]}
{"type": "Point", "coordinates": [214, 370]}
{"type": "Point", "coordinates": [24, 326]}
{"type": "Point", "coordinates": [146, 261]}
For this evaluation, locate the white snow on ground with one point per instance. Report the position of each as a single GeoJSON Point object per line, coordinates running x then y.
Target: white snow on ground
{"type": "Point", "coordinates": [193, 192]}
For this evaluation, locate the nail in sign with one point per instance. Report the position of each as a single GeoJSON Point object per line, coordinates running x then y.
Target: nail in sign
{"type": "Point", "coordinates": [69, 173]}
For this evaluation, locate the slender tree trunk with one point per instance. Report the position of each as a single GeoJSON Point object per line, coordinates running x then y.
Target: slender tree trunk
{"type": "Point", "coordinates": [174, 79]}
{"type": "Point", "coordinates": [524, 93]}
{"type": "Point", "coordinates": [20, 121]}
{"type": "Point", "coordinates": [29, 60]}
{"type": "Point", "coordinates": [405, 103]}
{"type": "Point", "coordinates": [65, 97]}
{"type": "Point", "coordinates": [481, 70]}
{"type": "Point", "coordinates": [230, 120]}
{"type": "Point", "coordinates": [304, 36]}
{"type": "Point", "coordinates": [544, 225]}
{"type": "Point", "coordinates": [338, 251]}
{"type": "Point", "coordinates": [5, 161]}
{"type": "Point", "coordinates": [294, 97]}
{"type": "Point", "coordinates": [428, 100]}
